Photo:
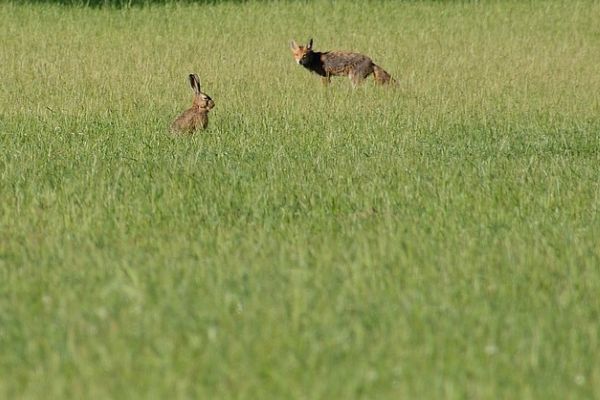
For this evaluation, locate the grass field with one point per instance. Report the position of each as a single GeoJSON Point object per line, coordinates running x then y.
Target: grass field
{"type": "Point", "coordinates": [439, 240]}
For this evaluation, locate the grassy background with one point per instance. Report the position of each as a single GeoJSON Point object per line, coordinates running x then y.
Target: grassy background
{"type": "Point", "coordinates": [439, 240]}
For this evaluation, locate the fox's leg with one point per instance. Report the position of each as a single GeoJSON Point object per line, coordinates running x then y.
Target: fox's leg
{"type": "Point", "coordinates": [361, 71]}
{"type": "Point", "coordinates": [368, 69]}
{"type": "Point", "coordinates": [355, 77]}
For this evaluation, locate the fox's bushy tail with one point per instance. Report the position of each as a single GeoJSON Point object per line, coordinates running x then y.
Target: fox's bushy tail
{"type": "Point", "coordinates": [382, 76]}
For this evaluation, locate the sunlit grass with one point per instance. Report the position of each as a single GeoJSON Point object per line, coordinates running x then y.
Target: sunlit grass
{"type": "Point", "coordinates": [436, 240]}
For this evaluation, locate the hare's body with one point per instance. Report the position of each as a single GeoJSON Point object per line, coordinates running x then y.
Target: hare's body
{"type": "Point", "coordinates": [195, 117]}
{"type": "Point", "coordinates": [190, 121]}
{"type": "Point", "coordinates": [355, 66]}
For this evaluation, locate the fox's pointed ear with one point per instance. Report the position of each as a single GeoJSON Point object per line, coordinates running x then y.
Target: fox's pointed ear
{"type": "Point", "coordinates": [293, 45]}
{"type": "Point", "coordinates": [309, 45]}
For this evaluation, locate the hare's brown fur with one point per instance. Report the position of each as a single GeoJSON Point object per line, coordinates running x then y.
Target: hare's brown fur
{"type": "Point", "coordinates": [355, 66]}
{"type": "Point", "coordinates": [195, 117]}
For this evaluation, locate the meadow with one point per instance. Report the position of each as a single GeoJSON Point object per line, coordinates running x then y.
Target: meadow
{"type": "Point", "coordinates": [440, 239]}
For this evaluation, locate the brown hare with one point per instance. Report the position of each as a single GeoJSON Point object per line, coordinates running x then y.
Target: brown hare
{"type": "Point", "coordinates": [195, 117]}
{"type": "Point", "coordinates": [355, 66]}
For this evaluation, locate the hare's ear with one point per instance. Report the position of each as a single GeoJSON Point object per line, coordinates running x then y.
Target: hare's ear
{"type": "Point", "coordinates": [309, 45]}
{"type": "Point", "coordinates": [197, 79]}
{"type": "Point", "coordinates": [293, 45]}
{"type": "Point", "coordinates": [195, 83]}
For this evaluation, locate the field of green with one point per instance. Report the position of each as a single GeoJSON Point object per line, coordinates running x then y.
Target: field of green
{"type": "Point", "coordinates": [436, 240]}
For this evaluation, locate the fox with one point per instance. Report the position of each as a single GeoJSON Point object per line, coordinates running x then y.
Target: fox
{"type": "Point", "coordinates": [339, 63]}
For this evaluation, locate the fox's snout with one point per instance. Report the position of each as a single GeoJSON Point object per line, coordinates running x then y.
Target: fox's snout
{"type": "Point", "coordinates": [303, 60]}
{"type": "Point", "coordinates": [300, 58]}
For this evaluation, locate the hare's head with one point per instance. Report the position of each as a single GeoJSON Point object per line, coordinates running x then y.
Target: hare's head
{"type": "Point", "coordinates": [302, 54]}
{"type": "Point", "coordinates": [202, 101]}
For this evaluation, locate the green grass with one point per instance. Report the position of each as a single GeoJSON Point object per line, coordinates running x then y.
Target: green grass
{"type": "Point", "coordinates": [438, 240]}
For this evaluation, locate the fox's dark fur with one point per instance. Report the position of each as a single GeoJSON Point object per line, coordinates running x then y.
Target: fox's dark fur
{"type": "Point", "coordinates": [355, 66]}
